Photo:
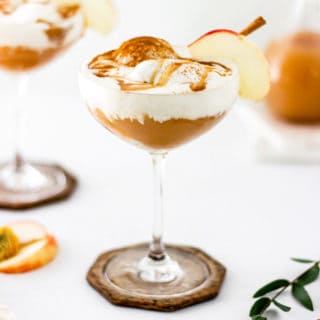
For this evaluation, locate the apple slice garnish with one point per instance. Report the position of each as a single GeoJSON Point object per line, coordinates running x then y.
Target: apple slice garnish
{"type": "Point", "coordinates": [31, 257]}
{"type": "Point", "coordinates": [28, 231]}
{"type": "Point", "coordinates": [99, 14]}
{"type": "Point", "coordinates": [235, 47]}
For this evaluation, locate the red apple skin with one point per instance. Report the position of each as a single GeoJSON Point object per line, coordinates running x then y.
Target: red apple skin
{"type": "Point", "coordinates": [37, 260]}
{"type": "Point", "coordinates": [214, 31]}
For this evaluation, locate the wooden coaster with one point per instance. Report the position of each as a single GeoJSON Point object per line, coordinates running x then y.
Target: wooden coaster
{"type": "Point", "coordinates": [115, 278]}
{"type": "Point", "coordinates": [27, 200]}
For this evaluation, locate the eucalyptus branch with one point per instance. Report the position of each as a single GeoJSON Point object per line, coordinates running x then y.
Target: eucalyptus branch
{"type": "Point", "coordinates": [263, 302]}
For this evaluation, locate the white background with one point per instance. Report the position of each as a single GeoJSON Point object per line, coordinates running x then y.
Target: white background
{"type": "Point", "coordinates": [249, 215]}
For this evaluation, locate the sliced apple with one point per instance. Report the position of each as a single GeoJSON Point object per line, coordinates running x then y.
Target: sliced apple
{"type": "Point", "coordinates": [99, 14]}
{"type": "Point", "coordinates": [28, 231]}
{"type": "Point", "coordinates": [31, 257]}
{"type": "Point", "coordinates": [230, 45]}
{"type": "Point", "coordinates": [9, 243]}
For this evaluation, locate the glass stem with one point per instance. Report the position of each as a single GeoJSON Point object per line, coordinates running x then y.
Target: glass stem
{"type": "Point", "coordinates": [157, 249]}
{"type": "Point", "coordinates": [21, 87]}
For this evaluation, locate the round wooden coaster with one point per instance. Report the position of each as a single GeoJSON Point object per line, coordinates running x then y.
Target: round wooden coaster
{"type": "Point", "coordinates": [27, 200]}
{"type": "Point", "coordinates": [116, 279]}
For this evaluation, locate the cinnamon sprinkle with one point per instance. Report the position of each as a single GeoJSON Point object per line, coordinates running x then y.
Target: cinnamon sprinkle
{"type": "Point", "coordinates": [136, 50]}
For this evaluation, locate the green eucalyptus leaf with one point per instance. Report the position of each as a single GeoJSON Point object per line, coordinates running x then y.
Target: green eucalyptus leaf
{"type": "Point", "coordinates": [309, 276]}
{"type": "Point", "coordinates": [259, 318]}
{"type": "Point", "coordinates": [302, 296]}
{"type": "Point", "coordinates": [281, 306]}
{"type": "Point", "coordinates": [302, 260]}
{"type": "Point", "coordinates": [274, 285]}
{"type": "Point", "coordinates": [260, 306]}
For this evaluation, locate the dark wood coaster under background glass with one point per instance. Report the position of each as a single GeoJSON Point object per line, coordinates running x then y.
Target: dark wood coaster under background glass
{"type": "Point", "coordinates": [64, 184]}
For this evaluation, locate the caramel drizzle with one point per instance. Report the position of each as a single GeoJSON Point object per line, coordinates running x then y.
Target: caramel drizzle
{"type": "Point", "coordinates": [68, 11]}
{"type": "Point", "coordinates": [103, 64]}
{"type": "Point", "coordinates": [54, 33]}
{"type": "Point", "coordinates": [201, 84]}
{"type": "Point", "coordinates": [101, 68]}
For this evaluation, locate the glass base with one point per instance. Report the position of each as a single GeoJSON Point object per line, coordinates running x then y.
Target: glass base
{"type": "Point", "coordinates": [159, 271]}
{"type": "Point", "coordinates": [30, 184]}
{"type": "Point", "coordinates": [133, 271]}
{"type": "Point", "coordinates": [116, 275]}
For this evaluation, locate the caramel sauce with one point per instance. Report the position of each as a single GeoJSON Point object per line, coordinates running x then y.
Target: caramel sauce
{"type": "Point", "coordinates": [23, 59]}
{"type": "Point", "coordinates": [295, 77]}
{"type": "Point", "coordinates": [165, 76]}
{"type": "Point", "coordinates": [136, 50]}
{"type": "Point", "coordinates": [54, 33]}
{"type": "Point", "coordinates": [68, 11]}
{"type": "Point", "coordinates": [127, 86]}
{"type": "Point", "coordinates": [158, 135]}
{"type": "Point", "coordinates": [201, 85]}
{"type": "Point", "coordinates": [139, 49]}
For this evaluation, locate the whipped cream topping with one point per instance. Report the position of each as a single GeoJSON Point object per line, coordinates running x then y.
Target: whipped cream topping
{"type": "Point", "coordinates": [163, 88]}
{"type": "Point", "coordinates": [32, 23]}
{"type": "Point", "coordinates": [6, 314]}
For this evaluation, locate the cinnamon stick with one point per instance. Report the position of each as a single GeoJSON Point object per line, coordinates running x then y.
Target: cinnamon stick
{"type": "Point", "coordinates": [253, 26]}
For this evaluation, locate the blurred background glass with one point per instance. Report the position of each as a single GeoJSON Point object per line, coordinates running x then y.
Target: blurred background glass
{"type": "Point", "coordinates": [294, 56]}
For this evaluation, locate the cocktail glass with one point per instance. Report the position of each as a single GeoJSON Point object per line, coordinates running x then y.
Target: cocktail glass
{"type": "Point", "coordinates": [156, 270]}
{"type": "Point", "coordinates": [28, 42]}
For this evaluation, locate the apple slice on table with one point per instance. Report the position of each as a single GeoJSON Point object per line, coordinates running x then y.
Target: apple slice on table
{"type": "Point", "coordinates": [235, 47]}
{"type": "Point", "coordinates": [28, 231]}
{"type": "Point", "coordinates": [25, 246]}
{"type": "Point", "coordinates": [99, 14]}
{"type": "Point", "coordinates": [31, 257]}
{"type": "Point", "coordinates": [9, 243]}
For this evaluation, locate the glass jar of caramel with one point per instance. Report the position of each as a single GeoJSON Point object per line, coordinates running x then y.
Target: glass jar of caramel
{"type": "Point", "coordinates": [295, 67]}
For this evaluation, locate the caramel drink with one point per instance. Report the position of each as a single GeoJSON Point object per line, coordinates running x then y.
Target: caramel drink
{"type": "Point", "coordinates": [158, 98]}
{"type": "Point", "coordinates": [33, 33]}
{"type": "Point", "coordinates": [295, 77]}
{"type": "Point", "coordinates": [146, 93]}
{"type": "Point", "coordinates": [149, 95]}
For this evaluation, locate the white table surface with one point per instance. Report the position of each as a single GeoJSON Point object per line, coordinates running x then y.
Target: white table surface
{"type": "Point", "coordinates": [251, 216]}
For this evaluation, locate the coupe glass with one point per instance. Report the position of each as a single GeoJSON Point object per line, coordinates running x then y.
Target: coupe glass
{"type": "Point", "coordinates": [155, 269]}
{"type": "Point", "coordinates": [22, 182]}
